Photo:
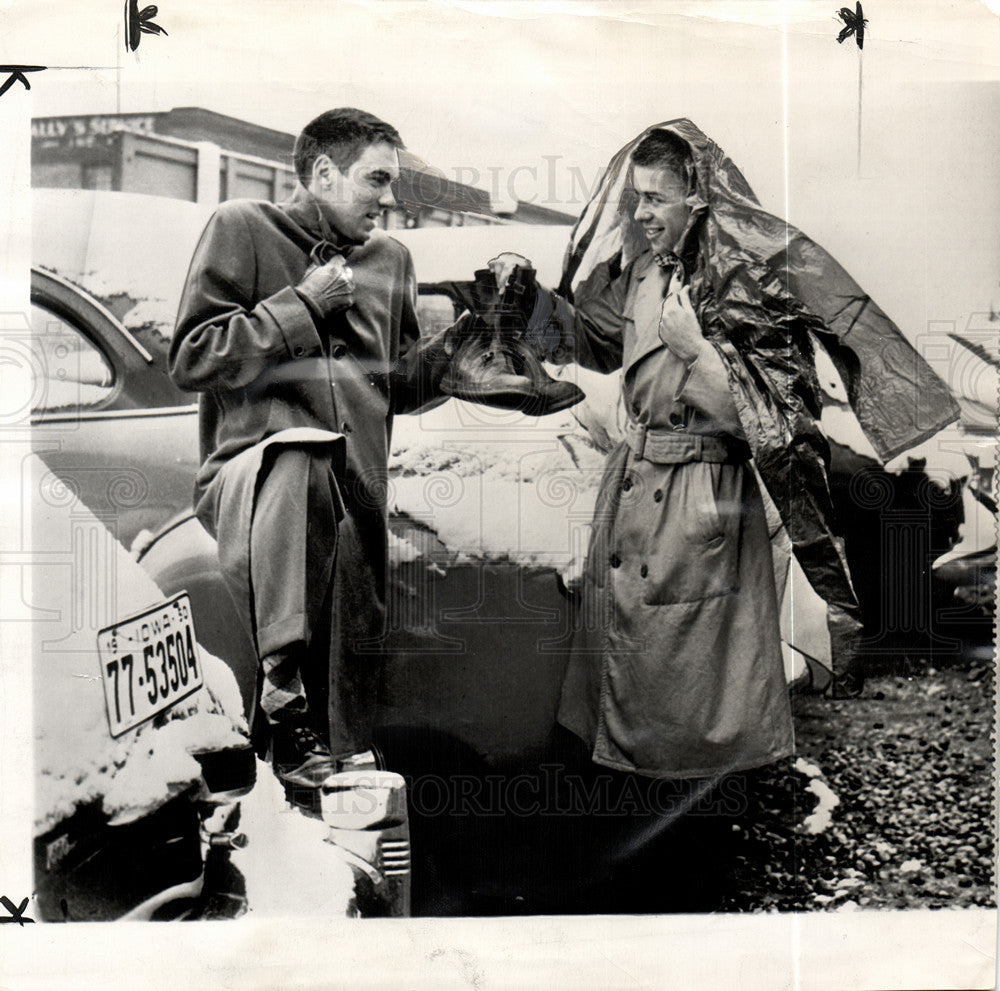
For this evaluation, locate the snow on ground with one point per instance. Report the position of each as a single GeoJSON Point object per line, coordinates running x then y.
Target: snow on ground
{"type": "Point", "coordinates": [822, 816]}
{"type": "Point", "coordinates": [911, 763]}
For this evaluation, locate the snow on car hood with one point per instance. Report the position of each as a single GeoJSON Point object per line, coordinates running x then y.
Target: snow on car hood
{"type": "Point", "coordinates": [493, 485]}
{"type": "Point", "coordinates": [83, 581]}
{"type": "Point", "coordinates": [102, 242]}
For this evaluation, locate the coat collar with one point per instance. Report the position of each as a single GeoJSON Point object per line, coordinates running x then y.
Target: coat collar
{"type": "Point", "coordinates": [305, 210]}
{"type": "Point", "coordinates": [646, 308]}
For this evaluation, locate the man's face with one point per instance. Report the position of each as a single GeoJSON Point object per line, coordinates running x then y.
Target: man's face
{"type": "Point", "coordinates": [354, 200]}
{"type": "Point", "coordinates": [662, 211]}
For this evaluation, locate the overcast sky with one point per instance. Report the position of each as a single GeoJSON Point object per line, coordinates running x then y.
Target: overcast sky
{"type": "Point", "coordinates": [531, 99]}
{"type": "Point", "coordinates": [503, 84]}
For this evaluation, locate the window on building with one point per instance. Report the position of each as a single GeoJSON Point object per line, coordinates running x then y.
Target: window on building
{"type": "Point", "coordinates": [55, 175]}
{"type": "Point", "coordinates": [167, 170]}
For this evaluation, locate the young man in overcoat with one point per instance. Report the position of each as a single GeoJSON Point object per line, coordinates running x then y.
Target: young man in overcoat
{"type": "Point", "coordinates": [298, 328]}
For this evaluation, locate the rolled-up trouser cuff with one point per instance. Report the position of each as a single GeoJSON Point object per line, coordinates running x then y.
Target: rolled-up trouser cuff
{"type": "Point", "coordinates": [282, 633]}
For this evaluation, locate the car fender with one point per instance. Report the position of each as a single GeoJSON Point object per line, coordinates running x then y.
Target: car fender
{"type": "Point", "coordinates": [183, 557]}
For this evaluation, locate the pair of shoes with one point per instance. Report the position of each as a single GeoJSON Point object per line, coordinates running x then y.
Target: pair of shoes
{"type": "Point", "coordinates": [495, 370]}
{"type": "Point", "coordinates": [301, 761]}
{"type": "Point", "coordinates": [492, 363]}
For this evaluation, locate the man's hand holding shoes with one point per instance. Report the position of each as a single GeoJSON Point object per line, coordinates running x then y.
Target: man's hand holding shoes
{"type": "Point", "coordinates": [503, 265]}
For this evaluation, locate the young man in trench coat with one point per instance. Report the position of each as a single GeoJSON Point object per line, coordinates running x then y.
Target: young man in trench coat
{"type": "Point", "coordinates": [676, 668]}
{"type": "Point", "coordinates": [713, 310]}
{"type": "Point", "coordinates": [298, 328]}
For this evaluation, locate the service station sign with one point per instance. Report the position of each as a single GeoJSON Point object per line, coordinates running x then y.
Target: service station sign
{"type": "Point", "coordinates": [83, 132]}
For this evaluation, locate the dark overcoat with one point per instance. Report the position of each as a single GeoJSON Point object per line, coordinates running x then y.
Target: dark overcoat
{"type": "Point", "coordinates": [264, 366]}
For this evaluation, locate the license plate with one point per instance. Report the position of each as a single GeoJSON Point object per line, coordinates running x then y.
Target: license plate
{"type": "Point", "coordinates": [149, 662]}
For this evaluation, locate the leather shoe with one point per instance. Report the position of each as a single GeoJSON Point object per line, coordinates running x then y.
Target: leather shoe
{"type": "Point", "coordinates": [302, 761]}
{"type": "Point", "coordinates": [491, 361]}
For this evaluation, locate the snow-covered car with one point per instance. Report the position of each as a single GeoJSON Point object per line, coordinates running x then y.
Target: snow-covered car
{"type": "Point", "coordinates": [141, 746]}
{"type": "Point", "coordinates": [149, 801]}
{"type": "Point", "coordinates": [489, 522]}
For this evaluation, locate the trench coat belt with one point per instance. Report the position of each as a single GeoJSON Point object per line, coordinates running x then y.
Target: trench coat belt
{"type": "Point", "coordinates": [665, 446]}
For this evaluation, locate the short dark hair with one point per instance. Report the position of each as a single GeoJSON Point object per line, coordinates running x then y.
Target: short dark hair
{"type": "Point", "coordinates": [343, 134]}
{"type": "Point", "coordinates": [663, 150]}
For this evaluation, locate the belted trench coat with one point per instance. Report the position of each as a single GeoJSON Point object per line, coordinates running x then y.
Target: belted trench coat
{"type": "Point", "coordinates": [676, 667]}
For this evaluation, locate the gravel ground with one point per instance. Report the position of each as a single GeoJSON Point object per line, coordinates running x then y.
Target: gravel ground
{"type": "Point", "coordinates": [889, 805]}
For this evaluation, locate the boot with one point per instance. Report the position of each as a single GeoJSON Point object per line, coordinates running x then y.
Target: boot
{"type": "Point", "coordinates": [492, 364]}
{"type": "Point", "coordinates": [302, 762]}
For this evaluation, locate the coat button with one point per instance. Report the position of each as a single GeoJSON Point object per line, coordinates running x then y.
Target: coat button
{"type": "Point", "coordinates": [644, 570]}
{"type": "Point", "coordinates": [658, 495]}
{"type": "Point", "coordinates": [627, 484]}
{"type": "Point", "coordinates": [615, 561]}
{"type": "Point", "coordinates": [676, 421]}
{"type": "Point", "coordinates": [339, 351]}
{"type": "Point", "coordinates": [299, 351]}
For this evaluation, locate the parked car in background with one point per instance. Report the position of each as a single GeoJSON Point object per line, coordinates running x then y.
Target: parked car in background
{"type": "Point", "coordinates": [489, 523]}
{"type": "Point", "coordinates": [104, 396]}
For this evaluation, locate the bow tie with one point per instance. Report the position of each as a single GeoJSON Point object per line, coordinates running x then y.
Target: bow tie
{"type": "Point", "coordinates": [324, 251]}
{"type": "Point", "coordinates": [671, 269]}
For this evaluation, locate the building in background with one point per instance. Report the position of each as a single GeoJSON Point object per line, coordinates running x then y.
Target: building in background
{"type": "Point", "coordinates": [194, 154]}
